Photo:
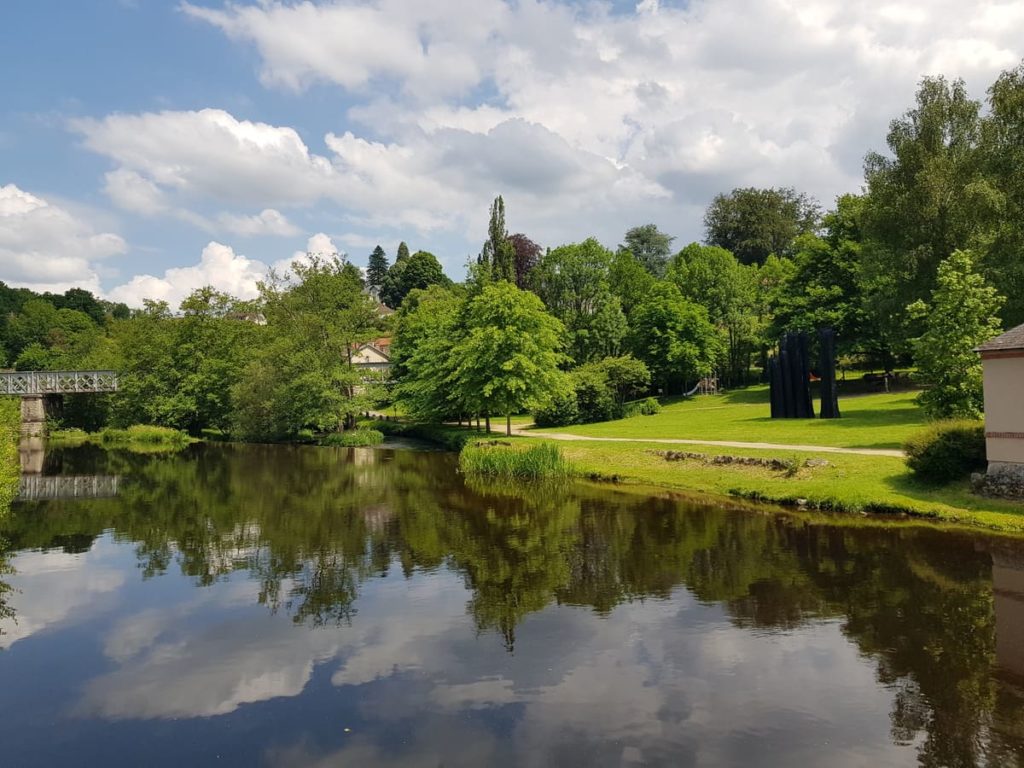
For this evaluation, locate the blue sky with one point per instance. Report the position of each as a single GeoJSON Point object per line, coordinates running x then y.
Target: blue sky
{"type": "Point", "coordinates": [149, 147]}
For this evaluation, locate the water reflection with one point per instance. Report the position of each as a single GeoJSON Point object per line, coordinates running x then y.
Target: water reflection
{"type": "Point", "coordinates": [476, 625]}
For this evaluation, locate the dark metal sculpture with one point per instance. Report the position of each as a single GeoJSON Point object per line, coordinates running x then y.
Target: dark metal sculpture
{"type": "Point", "coordinates": [789, 377]}
{"type": "Point", "coordinates": [829, 395]}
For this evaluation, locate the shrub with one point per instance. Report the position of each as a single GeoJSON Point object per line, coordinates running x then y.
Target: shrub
{"type": "Point", "coordinates": [594, 398]}
{"type": "Point", "coordinates": [494, 460]}
{"type": "Point", "coordinates": [145, 433]}
{"type": "Point", "coordinates": [646, 407]}
{"type": "Point", "coordinates": [354, 438]}
{"type": "Point", "coordinates": [947, 450]}
{"type": "Point", "coordinates": [560, 411]}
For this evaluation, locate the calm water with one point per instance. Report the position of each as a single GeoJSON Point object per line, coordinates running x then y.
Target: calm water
{"type": "Point", "coordinates": [304, 606]}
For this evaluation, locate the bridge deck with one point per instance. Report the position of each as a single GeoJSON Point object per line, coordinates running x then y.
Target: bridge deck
{"type": "Point", "coordinates": [36, 383]}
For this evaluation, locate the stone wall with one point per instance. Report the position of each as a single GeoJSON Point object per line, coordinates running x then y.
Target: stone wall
{"type": "Point", "coordinates": [1003, 479]}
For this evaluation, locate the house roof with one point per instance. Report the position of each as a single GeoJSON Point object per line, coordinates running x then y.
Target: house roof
{"type": "Point", "coordinates": [1012, 339]}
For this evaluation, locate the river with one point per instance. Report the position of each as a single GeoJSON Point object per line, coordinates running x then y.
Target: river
{"type": "Point", "coordinates": [294, 606]}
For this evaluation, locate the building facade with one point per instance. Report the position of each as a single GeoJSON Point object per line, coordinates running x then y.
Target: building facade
{"type": "Point", "coordinates": [1003, 363]}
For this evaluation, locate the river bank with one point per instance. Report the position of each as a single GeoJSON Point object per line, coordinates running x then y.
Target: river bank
{"type": "Point", "coordinates": [807, 479]}
{"type": "Point", "coordinates": [10, 422]}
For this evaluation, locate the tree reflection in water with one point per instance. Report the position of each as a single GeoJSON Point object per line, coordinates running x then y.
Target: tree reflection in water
{"type": "Point", "coordinates": [312, 525]}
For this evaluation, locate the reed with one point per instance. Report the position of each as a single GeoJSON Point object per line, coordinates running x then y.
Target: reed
{"type": "Point", "coordinates": [145, 433]}
{"type": "Point", "coordinates": [541, 461]}
{"type": "Point", "coordinates": [354, 438]}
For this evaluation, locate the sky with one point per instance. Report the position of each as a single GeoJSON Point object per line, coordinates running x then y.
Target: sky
{"type": "Point", "coordinates": [150, 147]}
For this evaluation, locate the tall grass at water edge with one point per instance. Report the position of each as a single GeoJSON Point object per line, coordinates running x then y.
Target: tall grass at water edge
{"type": "Point", "coordinates": [542, 461]}
{"type": "Point", "coordinates": [142, 433]}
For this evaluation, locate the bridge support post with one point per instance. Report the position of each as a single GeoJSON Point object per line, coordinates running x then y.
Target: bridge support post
{"type": "Point", "coordinates": [35, 410]}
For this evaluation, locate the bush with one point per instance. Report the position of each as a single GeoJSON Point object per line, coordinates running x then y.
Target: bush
{"type": "Point", "coordinates": [144, 433]}
{"type": "Point", "coordinates": [505, 461]}
{"type": "Point", "coordinates": [646, 407]}
{"type": "Point", "coordinates": [354, 438]}
{"type": "Point", "coordinates": [561, 411]}
{"type": "Point", "coordinates": [947, 450]}
{"type": "Point", "coordinates": [594, 398]}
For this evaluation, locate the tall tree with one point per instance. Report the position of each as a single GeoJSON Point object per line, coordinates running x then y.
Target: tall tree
{"type": "Point", "coordinates": [924, 200]}
{"type": "Point", "coordinates": [403, 252]}
{"type": "Point", "coordinates": [302, 375]}
{"type": "Point", "coordinates": [509, 360]}
{"type": "Point", "coordinates": [429, 325]}
{"type": "Point", "coordinates": [628, 280]}
{"type": "Point", "coordinates": [962, 315]}
{"type": "Point", "coordinates": [498, 256]}
{"type": "Point", "coordinates": [377, 270]}
{"type": "Point", "coordinates": [649, 246]}
{"type": "Point", "coordinates": [826, 289]}
{"type": "Point", "coordinates": [572, 281]}
{"type": "Point", "coordinates": [753, 223]}
{"type": "Point", "coordinates": [712, 277]}
{"type": "Point", "coordinates": [674, 337]}
{"type": "Point", "coordinates": [1003, 146]}
{"type": "Point", "coordinates": [420, 270]}
{"type": "Point", "coordinates": [526, 258]}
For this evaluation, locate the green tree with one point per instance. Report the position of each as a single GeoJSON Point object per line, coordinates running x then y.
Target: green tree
{"type": "Point", "coordinates": [1003, 157]}
{"type": "Point", "coordinates": [649, 246]}
{"type": "Point", "coordinates": [429, 325]}
{"type": "Point", "coordinates": [420, 270]}
{"type": "Point", "coordinates": [924, 200]}
{"type": "Point", "coordinates": [509, 359]}
{"type": "Point", "coordinates": [301, 375]}
{"type": "Point", "coordinates": [403, 252]}
{"type": "Point", "coordinates": [752, 223]}
{"type": "Point", "coordinates": [572, 280]}
{"type": "Point", "coordinates": [674, 337]}
{"type": "Point", "coordinates": [498, 257]}
{"type": "Point", "coordinates": [377, 270]}
{"type": "Point", "coordinates": [628, 280]}
{"type": "Point", "coordinates": [962, 315]}
{"type": "Point", "coordinates": [826, 289]}
{"type": "Point", "coordinates": [714, 278]}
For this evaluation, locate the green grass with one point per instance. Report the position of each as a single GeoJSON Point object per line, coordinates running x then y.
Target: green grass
{"type": "Point", "coordinates": [506, 461]}
{"type": "Point", "coordinates": [869, 421]}
{"type": "Point", "coordinates": [354, 438]}
{"type": "Point", "coordinates": [10, 429]}
{"type": "Point", "coordinates": [145, 433]}
{"type": "Point", "coordinates": [849, 483]}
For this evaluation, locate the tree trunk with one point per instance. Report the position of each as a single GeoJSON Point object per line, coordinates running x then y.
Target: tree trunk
{"type": "Point", "coordinates": [487, 421]}
{"type": "Point", "coordinates": [508, 424]}
{"type": "Point", "coordinates": [478, 422]}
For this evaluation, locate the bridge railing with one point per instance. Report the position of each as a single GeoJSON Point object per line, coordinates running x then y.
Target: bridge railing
{"type": "Point", "coordinates": [30, 383]}
{"type": "Point", "coordinates": [41, 487]}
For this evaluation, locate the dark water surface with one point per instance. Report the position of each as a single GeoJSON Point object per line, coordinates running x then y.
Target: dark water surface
{"type": "Point", "coordinates": [289, 606]}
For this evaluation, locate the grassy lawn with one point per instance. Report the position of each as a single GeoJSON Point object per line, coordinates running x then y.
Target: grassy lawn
{"type": "Point", "coordinates": [848, 483]}
{"type": "Point", "coordinates": [869, 421]}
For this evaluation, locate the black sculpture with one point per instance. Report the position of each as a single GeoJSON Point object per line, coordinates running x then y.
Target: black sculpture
{"type": "Point", "coordinates": [829, 396]}
{"type": "Point", "coordinates": [789, 377]}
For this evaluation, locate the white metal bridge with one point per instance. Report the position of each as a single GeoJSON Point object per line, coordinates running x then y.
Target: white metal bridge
{"type": "Point", "coordinates": [38, 383]}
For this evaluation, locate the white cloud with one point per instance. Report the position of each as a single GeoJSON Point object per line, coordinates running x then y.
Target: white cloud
{"type": "Point", "coordinates": [267, 222]}
{"type": "Point", "coordinates": [219, 266]}
{"type": "Point", "coordinates": [590, 115]}
{"type": "Point", "coordinates": [320, 245]}
{"type": "Point", "coordinates": [68, 582]}
{"type": "Point", "coordinates": [46, 247]}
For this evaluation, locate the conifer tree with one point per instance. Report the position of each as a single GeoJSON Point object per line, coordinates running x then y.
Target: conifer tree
{"type": "Point", "coordinates": [377, 269]}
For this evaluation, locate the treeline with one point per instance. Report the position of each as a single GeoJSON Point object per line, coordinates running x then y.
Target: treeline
{"type": "Point", "coordinates": [917, 270]}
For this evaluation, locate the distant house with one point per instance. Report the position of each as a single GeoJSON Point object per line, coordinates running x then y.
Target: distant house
{"type": "Point", "coordinates": [1003, 361]}
{"type": "Point", "coordinates": [373, 356]}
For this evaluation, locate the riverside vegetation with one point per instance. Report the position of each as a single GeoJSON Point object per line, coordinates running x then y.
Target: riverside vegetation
{"type": "Point", "coordinates": [914, 272]}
